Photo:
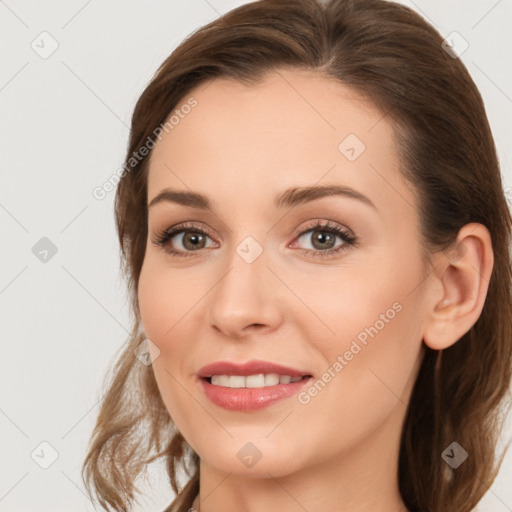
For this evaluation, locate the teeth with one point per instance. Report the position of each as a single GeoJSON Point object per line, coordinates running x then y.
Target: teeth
{"type": "Point", "coordinates": [272, 379]}
{"type": "Point", "coordinates": [236, 381]}
{"type": "Point", "coordinates": [260, 380]}
{"type": "Point", "coordinates": [255, 381]}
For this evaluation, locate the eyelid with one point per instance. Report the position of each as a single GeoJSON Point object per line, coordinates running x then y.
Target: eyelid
{"type": "Point", "coordinates": [181, 227]}
{"type": "Point", "coordinates": [324, 224]}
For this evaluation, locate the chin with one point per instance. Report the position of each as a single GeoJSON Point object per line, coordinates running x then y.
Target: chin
{"type": "Point", "coordinates": [252, 456]}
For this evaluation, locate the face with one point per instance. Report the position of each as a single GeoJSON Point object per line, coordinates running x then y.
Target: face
{"type": "Point", "coordinates": [331, 285]}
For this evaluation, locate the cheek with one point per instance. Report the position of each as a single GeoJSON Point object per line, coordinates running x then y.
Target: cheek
{"type": "Point", "coordinates": [370, 369]}
{"type": "Point", "coordinates": [376, 350]}
{"type": "Point", "coordinates": [370, 332]}
{"type": "Point", "coordinates": [161, 308]}
{"type": "Point", "coordinates": [338, 305]}
{"type": "Point", "coordinates": [164, 298]}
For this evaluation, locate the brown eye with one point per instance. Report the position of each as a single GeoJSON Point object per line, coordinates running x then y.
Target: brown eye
{"type": "Point", "coordinates": [322, 239]}
{"type": "Point", "coordinates": [193, 240]}
{"type": "Point", "coordinates": [182, 240]}
{"type": "Point", "coordinates": [189, 240]}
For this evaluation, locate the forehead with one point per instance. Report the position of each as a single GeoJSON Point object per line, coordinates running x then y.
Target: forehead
{"type": "Point", "coordinates": [292, 128]}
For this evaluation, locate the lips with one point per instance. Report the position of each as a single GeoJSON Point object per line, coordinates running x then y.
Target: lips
{"type": "Point", "coordinates": [249, 368]}
{"type": "Point", "coordinates": [245, 399]}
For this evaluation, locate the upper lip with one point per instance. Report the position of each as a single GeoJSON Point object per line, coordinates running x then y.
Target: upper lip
{"type": "Point", "coordinates": [250, 368]}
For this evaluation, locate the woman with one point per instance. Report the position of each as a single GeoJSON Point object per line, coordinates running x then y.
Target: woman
{"type": "Point", "coordinates": [311, 215]}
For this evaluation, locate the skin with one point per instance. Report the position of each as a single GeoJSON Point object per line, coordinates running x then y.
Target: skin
{"type": "Point", "coordinates": [240, 146]}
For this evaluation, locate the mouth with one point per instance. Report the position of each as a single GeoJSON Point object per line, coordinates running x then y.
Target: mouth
{"type": "Point", "coordinates": [252, 385]}
{"type": "Point", "coordinates": [260, 380]}
{"type": "Point", "coordinates": [252, 374]}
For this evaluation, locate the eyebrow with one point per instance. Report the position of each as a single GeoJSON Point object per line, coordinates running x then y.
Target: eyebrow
{"type": "Point", "coordinates": [290, 197]}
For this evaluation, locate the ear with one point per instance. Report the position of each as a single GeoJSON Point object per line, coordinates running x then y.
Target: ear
{"type": "Point", "coordinates": [461, 275]}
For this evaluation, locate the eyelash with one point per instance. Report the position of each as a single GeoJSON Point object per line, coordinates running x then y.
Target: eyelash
{"type": "Point", "coordinates": [164, 236]}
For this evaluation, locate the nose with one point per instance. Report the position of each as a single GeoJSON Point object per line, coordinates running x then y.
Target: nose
{"type": "Point", "coordinates": [245, 300]}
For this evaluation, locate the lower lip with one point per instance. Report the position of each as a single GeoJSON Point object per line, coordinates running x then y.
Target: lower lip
{"type": "Point", "coordinates": [250, 399]}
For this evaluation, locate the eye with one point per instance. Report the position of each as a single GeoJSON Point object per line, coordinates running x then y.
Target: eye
{"type": "Point", "coordinates": [322, 237]}
{"type": "Point", "coordinates": [192, 238]}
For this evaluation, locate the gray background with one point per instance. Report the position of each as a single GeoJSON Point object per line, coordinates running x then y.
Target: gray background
{"type": "Point", "coordinates": [64, 122]}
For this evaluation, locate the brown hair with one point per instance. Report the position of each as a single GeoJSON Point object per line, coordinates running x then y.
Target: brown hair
{"type": "Point", "coordinates": [395, 59]}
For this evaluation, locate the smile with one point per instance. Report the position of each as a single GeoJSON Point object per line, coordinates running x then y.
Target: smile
{"type": "Point", "coordinates": [252, 381]}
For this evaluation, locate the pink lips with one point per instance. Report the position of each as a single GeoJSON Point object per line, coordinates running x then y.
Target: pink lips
{"type": "Point", "coordinates": [249, 399]}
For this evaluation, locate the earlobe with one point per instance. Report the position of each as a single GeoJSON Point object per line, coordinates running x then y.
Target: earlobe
{"type": "Point", "coordinates": [462, 273]}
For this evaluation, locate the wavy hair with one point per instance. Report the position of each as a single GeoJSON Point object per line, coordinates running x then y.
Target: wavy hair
{"type": "Point", "coordinates": [391, 56]}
